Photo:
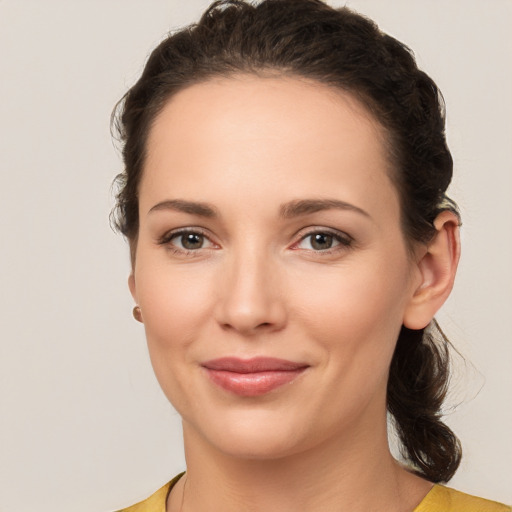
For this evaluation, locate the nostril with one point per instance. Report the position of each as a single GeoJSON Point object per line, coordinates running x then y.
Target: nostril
{"type": "Point", "coordinates": [228, 326]}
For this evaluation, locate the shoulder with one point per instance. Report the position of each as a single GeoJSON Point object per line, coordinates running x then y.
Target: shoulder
{"type": "Point", "coordinates": [444, 499]}
{"type": "Point", "coordinates": [156, 502]}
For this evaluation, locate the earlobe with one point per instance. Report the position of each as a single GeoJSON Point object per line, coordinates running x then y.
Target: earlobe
{"type": "Point", "coordinates": [137, 313]}
{"type": "Point", "coordinates": [437, 268]}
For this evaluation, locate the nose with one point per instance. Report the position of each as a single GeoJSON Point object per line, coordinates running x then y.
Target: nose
{"type": "Point", "coordinates": [252, 300]}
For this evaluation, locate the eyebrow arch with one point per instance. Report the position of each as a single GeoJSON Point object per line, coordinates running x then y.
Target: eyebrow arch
{"type": "Point", "coordinates": [307, 206]}
{"type": "Point", "coordinates": [191, 207]}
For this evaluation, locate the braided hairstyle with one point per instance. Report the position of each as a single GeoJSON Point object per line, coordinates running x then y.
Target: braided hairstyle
{"type": "Point", "coordinates": [345, 50]}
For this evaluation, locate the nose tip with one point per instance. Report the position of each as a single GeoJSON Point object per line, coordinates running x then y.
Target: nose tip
{"type": "Point", "coordinates": [249, 321]}
{"type": "Point", "coordinates": [252, 302]}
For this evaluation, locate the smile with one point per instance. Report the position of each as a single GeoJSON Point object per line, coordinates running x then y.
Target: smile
{"type": "Point", "coordinates": [252, 377]}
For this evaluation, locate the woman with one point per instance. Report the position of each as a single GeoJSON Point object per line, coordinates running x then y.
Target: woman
{"type": "Point", "coordinates": [291, 241]}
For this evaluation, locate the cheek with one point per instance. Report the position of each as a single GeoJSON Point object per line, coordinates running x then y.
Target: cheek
{"type": "Point", "coordinates": [355, 313]}
{"type": "Point", "coordinates": [175, 307]}
{"type": "Point", "coordinates": [355, 322]}
{"type": "Point", "coordinates": [176, 303]}
{"type": "Point", "coordinates": [367, 295]}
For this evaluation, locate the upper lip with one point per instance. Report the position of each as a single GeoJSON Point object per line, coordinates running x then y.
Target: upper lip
{"type": "Point", "coordinates": [253, 365]}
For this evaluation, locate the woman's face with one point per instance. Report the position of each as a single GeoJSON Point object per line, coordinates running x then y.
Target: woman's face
{"type": "Point", "coordinates": [271, 269]}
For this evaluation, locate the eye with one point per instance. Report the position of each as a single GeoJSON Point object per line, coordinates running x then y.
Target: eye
{"type": "Point", "coordinates": [323, 241]}
{"type": "Point", "coordinates": [187, 240]}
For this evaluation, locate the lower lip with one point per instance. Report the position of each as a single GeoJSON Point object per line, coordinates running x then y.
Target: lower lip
{"type": "Point", "coordinates": [253, 384]}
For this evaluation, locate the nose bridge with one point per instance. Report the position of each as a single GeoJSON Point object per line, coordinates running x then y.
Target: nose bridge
{"type": "Point", "coordinates": [251, 299]}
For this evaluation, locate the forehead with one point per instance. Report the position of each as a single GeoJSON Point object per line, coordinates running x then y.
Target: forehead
{"type": "Point", "coordinates": [271, 137]}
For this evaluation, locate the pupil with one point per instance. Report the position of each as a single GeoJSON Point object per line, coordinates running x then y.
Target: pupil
{"type": "Point", "coordinates": [192, 241]}
{"type": "Point", "coordinates": [321, 241]}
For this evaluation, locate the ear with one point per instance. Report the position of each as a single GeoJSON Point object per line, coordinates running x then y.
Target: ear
{"type": "Point", "coordinates": [437, 267]}
{"type": "Point", "coordinates": [133, 288]}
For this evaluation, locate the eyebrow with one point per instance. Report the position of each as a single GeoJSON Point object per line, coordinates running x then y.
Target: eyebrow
{"type": "Point", "coordinates": [287, 211]}
{"type": "Point", "coordinates": [191, 207]}
{"type": "Point", "coordinates": [308, 206]}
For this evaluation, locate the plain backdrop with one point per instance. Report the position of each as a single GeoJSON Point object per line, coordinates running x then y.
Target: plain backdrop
{"type": "Point", "coordinates": [84, 425]}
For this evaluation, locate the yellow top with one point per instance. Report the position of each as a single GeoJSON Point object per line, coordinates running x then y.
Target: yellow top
{"type": "Point", "coordinates": [444, 499]}
{"type": "Point", "coordinates": [439, 499]}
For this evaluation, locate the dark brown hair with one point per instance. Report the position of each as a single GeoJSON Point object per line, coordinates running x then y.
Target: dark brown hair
{"type": "Point", "coordinates": [345, 50]}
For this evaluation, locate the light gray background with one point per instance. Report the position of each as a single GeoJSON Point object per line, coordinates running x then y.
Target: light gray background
{"type": "Point", "coordinates": [84, 426]}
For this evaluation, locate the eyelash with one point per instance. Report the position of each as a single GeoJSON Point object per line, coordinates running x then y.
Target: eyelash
{"type": "Point", "coordinates": [344, 240]}
{"type": "Point", "coordinates": [166, 241]}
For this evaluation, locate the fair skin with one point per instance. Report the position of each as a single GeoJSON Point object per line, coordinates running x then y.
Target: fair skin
{"type": "Point", "coordinates": [293, 250]}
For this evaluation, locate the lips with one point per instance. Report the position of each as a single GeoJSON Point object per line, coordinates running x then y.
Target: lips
{"type": "Point", "coordinates": [252, 377]}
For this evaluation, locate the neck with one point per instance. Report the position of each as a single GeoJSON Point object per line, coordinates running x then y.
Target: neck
{"type": "Point", "coordinates": [357, 476]}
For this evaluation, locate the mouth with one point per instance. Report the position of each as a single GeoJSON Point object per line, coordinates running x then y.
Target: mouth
{"type": "Point", "coordinates": [252, 377]}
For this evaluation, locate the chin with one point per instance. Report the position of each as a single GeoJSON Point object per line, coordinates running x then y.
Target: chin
{"type": "Point", "coordinates": [252, 436]}
{"type": "Point", "coordinates": [258, 447]}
